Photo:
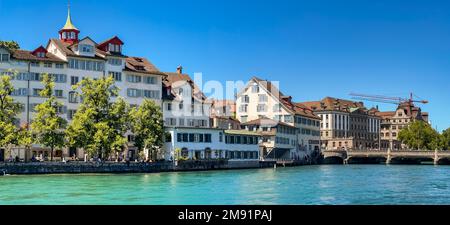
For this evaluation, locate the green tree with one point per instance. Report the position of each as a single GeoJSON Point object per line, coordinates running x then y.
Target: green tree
{"type": "Point", "coordinates": [148, 127]}
{"type": "Point", "coordinates": [8, 113]}
{"type": "Point", "coordinates": [11, 45]}
{"type": "Point", "coordinates": [420, 135]}
{"type": "Point", "coordinates": [48, 125]}
{"type": "Point", "coordinates": [445, 139]}
{"type": "Point", "coordinates": [99, 125]}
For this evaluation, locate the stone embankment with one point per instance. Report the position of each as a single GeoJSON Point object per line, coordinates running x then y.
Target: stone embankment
{"type": "Point", "coordinates": [112, 167]}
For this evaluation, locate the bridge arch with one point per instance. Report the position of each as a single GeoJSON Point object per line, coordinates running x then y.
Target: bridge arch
{"type": "Point", "coordinates": [366, 160]}
{"type": "Point", "coordinates": [333, 160]}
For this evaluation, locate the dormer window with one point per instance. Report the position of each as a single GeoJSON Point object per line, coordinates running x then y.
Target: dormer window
{"type": "Point", "coordinates": [141, 68]}
{"type": "Point", "coordinates": [4, 57]}
{"type": "Point", "coordinates": [40, 54]}
{"type": "Point", "coordinates": [86, 48]}
{"type": "Point", "coordinates": [114, 48]}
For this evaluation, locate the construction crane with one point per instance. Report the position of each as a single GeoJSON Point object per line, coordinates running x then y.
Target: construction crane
{"type": "Point", "coordinates": [387, 99]}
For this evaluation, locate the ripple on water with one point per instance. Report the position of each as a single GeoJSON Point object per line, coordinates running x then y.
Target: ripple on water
{"type": "Point", "coordinates": [327, 184]}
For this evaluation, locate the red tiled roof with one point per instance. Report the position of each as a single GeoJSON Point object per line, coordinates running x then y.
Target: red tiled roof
{"type": "Point", "coordinates": [141, 65]}
{"type": "Point", "coordinates": [28, 56]}
{"type": "Point", "coordinates": [385, 115]}
{"type": "Point", "coordinates": [172, 78]}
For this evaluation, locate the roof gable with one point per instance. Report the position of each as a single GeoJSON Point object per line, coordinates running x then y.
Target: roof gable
{"type": "Point", "coordinates": [39, 49]}
{"type": "Point", "coordinates": [114, 40]}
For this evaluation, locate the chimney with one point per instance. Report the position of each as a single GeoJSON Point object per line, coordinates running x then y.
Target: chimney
{"type": "Point", "coordinates": [179, 69]}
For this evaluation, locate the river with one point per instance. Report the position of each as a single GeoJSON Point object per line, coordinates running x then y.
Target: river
{"type": "Point", "coordinates": [310, 185]}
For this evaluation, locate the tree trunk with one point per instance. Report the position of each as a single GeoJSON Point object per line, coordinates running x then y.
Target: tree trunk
{"type": "Point", "coordinates": [51, 154]}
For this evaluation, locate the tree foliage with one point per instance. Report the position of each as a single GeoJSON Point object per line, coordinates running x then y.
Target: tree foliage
{"type": "Point", "coordinates": [445, 139]}
{"type": "Point", "coordinates": [8, 112]}
{"type": "Point", "coordinates": [11, 45]}
{"type": "Point", "coordinates": [48, 126]}
{"type": "Point", "coordinates": [147, 126]}
{"type": "Point", "coordinates": [420, 135]}
{"type": "Point", "coordinates": [99, 125]}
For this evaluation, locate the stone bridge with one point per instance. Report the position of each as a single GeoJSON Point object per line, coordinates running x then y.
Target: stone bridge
{"type": "Point", "coordinates": [388, 156]}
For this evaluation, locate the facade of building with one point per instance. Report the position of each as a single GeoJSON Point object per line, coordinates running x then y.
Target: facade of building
{"type": "Point", "coordinates": [346, 124]}
{"type": "Point", "coordinates": [223, 115]}
{"type": "Point", "coordinates": [279, 139]}
{"type": "Point", "coordinates": [262, 99]}
{"type": "Point", "coordinates": [184, 104]}
{"type": "Point", "coordinates": [69, 60]}
{"type": "Point", "coordinates": [211, 143]}
{"type": "Point", "coordinates": [223, 108]}
{"type": "Point", "coordinates": [392, 122]}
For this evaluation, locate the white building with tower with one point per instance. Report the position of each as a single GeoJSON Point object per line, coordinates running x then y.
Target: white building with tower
{"type": "Point", "coordinates": [69, 59]}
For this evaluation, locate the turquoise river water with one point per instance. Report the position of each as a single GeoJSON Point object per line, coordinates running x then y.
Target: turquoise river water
{"type": "Point", "coordinates": [311, 185]}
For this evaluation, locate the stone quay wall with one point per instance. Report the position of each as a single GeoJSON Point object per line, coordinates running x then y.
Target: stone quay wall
{"type": "Point", "coordinates": [111, 167]}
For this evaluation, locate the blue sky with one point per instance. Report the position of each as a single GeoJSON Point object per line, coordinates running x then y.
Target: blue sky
{"type": "Point", "coordinates": [314, 48]}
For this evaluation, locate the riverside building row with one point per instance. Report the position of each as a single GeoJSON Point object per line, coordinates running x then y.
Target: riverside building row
{"type": "Point", "coordinates": [261, 123]}
{"type": "Point", "coordinates": [69, 59]}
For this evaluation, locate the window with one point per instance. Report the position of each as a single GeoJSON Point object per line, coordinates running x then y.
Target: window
{"type": "Point", "coordinates": [114, 48]}
{"type": "Point", "coordinates": [34, 64]}
{"type": "Point", "coordinates": [86, 65]}
{"type": "Point", "coordinates": [151, 94]}
{"type": "Point", "coordinates": [243, 108]}
{"type": "Point", "coordinates": [20, 92]}
{"type": "Point", "coordinates": [191, 137]}
{"type": "Point", "coordinates": [74, 80]}
{"type": "Point", "coordinates": [4, 57]}
{"type": "Point", "coordinates": [59, 65]}
{"type": "Point", "coordinates": [245, 99]}
{"type": "Point", "coordinates": [255, 88]}
{"type": "Point", "coordinates": [40, 54]}
{"type": "Point", "coordinates": [36, 92]}
{"type": "Point", "coordinates": [207, 138]}
{"type": "Point", "coordinates": [150, 80]}
{"type": "Point", "coordinates": [22, 76]}
{"type": "Point", "coordinates": [73, 98]}
{"type": "Point", "coordinates": [262, 98]}
{"type": "Point", "coordinates": [169, 106]}
{"type": "Point", "coordinates": [59, 93]}
{"type": "Point", "coordinates": [61, 109]}
{"type": "Point", "coordinates": [134, 93]}
{"type": "Point", "coordinates": [86, 48]}
{"type": "Point", "coordinates": [180, 106]}
{"type": "Point", "coordinates": [288, 119]}
{"type": "Point", "coordinates": [134, 78]}
{"type": "Point", "coordinates": [71, 114]}
{"type": "Point", "coordinates": [277, 108]}
{"type": "Point", "coordinates": [261, 108]}
{"type": "Point", "coordinates": [59, 78]}
{"type": "Point", "coordinates": [181, 122]}
{"type": "Point", "coordinates": [89, 65]}
{"type": "Point", "coordinates": [48, 65]}
{"type": "Point", "coordinates": [116, 75]}
{"type": "Point", "coordinates": [115, 62]}
{"type": "Point", "coordinates": [180, 91]}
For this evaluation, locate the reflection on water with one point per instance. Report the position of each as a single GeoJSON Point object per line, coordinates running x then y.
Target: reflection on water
{"type": "Point", "coordinates": [327, 184]}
